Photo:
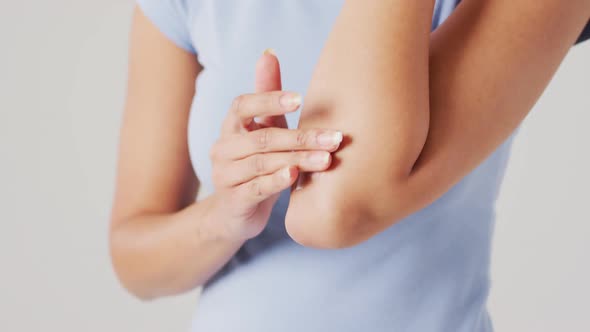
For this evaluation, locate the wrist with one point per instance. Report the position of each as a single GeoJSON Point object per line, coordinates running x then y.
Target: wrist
{"type": "Point", "coordinates": [216, 225]}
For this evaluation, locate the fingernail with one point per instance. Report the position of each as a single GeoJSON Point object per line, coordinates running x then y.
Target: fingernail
{"type": "Point", "coordinates": [270, 51]}
{"type": "Point", "coordinates": [330, 138]}
{"type": "Point", "coordinates": [319, 158]}
{"type": "Point", "coordinates": [290, 100]}
{"type": "Point", "coordinates": [286, 173]}
{"type": "Point", "coordinates": [299, 184]}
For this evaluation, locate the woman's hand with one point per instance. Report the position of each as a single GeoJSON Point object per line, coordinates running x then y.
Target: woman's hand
{"type": "Point", "coordinates": [253, 161]}
{"type": "Point", "coordinates": [156, 224]}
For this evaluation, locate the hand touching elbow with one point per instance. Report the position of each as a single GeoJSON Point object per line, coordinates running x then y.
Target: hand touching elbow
{"type": "Point", "coordinates": [365, 190]}
{"type": "Point", "coordinates": [377, 93]}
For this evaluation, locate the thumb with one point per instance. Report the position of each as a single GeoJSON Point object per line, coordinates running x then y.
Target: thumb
{"type": "Point", "coordinates": [268, 78]}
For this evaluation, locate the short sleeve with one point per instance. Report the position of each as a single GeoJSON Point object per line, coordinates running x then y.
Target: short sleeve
{"type": "Point", "coordinates": [171, 17]}
{"type": "Point", "coordinates": [585, 34]}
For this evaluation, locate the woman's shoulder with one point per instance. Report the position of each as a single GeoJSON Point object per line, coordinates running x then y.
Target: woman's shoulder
{"type": "Point", "coordinates": [191, 24]}
{"type": "Point", "coordinates": [171, 17]}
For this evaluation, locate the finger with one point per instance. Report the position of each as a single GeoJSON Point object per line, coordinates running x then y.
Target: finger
{"type": "Point", "coordinates": [263, 187]}
{"type": "Point", "coordinates": [268, 78]}
{"type": "Point", "coordinates": [278, 121]}
{"type": "Point", "coordinates": [236, 147]}
{"type": "Point", "coordinates": [268, 72]}
{"type": "Point", "coordinates": [246, 107]}
{"type": "Point", "coordinates": [244, 170]}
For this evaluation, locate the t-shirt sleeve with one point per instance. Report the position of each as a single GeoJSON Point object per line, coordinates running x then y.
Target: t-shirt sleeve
{"type": "Point", "coordinates": [171, 17]}
{"type": "Point", "coordinates": [585, 34]}
{"type": "Point", "coordinates": [583, 37]}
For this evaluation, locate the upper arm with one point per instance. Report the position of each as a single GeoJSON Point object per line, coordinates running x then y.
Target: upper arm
{"type": "Point", "coordinates": [489, 63]}
{"type": "Point", "coordinates": [154, 170]}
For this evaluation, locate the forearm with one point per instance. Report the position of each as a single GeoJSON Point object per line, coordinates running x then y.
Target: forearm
{"type": "Point", "coordinates": [371, 82]}
{"type": "Point", "coordinates": [489, 64]}
{"type": "Point", "coordinates": [168, 254]}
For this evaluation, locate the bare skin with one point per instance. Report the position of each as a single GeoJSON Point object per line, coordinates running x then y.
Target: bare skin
{"type": "Point", "coordinates": [156, 227]}
{"type": "Point", "coordinates": [439, 103]}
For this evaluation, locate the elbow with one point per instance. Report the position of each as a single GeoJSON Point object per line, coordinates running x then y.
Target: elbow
{"type": "Point", "coordinates": [138, 293]}
{"type": "Point", "coordinates": [342, 222]}
{"type": "Point", "coordinates": [318, 230]}
{"type": "Point", "coordinates": [130, 284]}
{"type": "Point", "coordinates": [123, 269]}
{"type": "Point", "coordinates": [338, 227]}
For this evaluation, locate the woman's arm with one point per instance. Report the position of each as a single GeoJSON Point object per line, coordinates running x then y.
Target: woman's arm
{"type": "Point", "coordinates": [162, 243]}
{"type": "Point", "coordinates": [489, 63]}
{"type": "Point", "coordinates": [371, 82]}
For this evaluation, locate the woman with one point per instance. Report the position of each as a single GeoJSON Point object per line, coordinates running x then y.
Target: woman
{"type": "Point", "coordinates": [397, 156]}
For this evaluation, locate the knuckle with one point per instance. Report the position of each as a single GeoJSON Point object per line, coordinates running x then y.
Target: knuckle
{"type": "Point", "coordinates": [262, 138]}
{"type": "Point", "coordinates": [296, 158]}
{"type": "Point", "coordinates": [304, 156]}
{"type": "Point", "coordinates": [258, 164]}
{"type": "Point", "coordinates": [255, 188]}
{"type": "Point", "coordinates": [274, 101]}
{"type": "Point", "coordinates": [237, 104]}
{"type": "Point", "coordinates": [302, 138]}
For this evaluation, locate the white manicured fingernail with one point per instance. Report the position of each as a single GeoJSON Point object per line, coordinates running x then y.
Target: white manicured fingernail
{"type": "Point", "coordinates": [319, 158]}
{"type": "Point", "coordinates": [270, 51]}
{"type": "Point", "coordinates": [330, 138]}
{"type": "Point", "coordinates": [299, 185]}
{"type": "Point", "coordinates": [290, 100]}
{"type": "Point", "coordinates": [316, 175]}
{"type": "Point", "coordinates": [286, 173]}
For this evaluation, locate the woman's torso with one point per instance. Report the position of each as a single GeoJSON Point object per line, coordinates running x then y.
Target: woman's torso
{"type": "Point", "coordinates": [429, 272]}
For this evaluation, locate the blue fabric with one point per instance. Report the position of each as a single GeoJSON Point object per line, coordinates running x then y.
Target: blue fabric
{"type": "Point", "coordinates": [585, 35]}
{"type": "Point", "coordinates": [429, 272]}
{"type": "Point", "coordinates": [170, 16]}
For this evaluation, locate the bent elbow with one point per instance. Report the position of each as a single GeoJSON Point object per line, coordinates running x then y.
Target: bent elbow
{"type": "Point", "coordinates": [128, 283]}
{"type": "Point", "coordinates": [337, 222]}
{"type": "Point", "coordinates": [123, 269]}
{"type": "Point", "coordinates": [137, 293]}
{"type": "Point", "coordinates": [320, 231]}
{"type": "Point", "coordinates": [335, 227]}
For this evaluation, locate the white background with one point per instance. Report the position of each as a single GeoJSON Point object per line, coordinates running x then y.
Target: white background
{"type": "Point", "coordinates": [62, 82]}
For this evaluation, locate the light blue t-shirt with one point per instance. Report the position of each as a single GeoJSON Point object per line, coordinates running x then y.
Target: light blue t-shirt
{"type": "Point", "coordinates": [427, 273]}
